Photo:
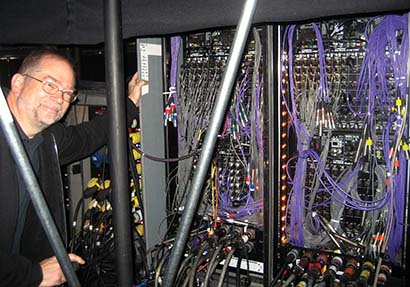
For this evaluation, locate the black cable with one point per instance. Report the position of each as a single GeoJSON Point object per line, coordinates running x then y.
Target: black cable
{"type": "Point", "coordinates": [213, 267]}
{"type": "Point", "coordinates": [201, 266]}
{"type": "Point", "coordinates": [172, 175]}
{"type": "Point", "coordinates": [157, 253]}
{"type": "Point", "coordinates": [225, 267]}
{"type": "Point", "coordinates": [198, 252]}
{"type": "Point", "coordinates": [141, 249]}
{"type": "Point", "coordinates": [81, 162]}
{"type": "Point", "coordinates": [201, 250]}
{"type": "Point", "coordinates": [248, 275]}
{"type": "Point", "coordinates": [159, 268]}
{"type": "Point", "coordinates": [75, 216]}
{"type": "Point", "coordinates": [186, 280]}
{"type": "Point", "coordinates": [290, 257]}
{"type": "Point", "coordinates": [94, 252]}
{"type": "Point", "coordinates": [238, 270]}
{"type": "Point", "coordinates": [101, 217]}
{"type": "Point", "coordinates": [154, 158]}
{"type": "Point", "coordinates": [170, 223]}
{"type": "Point", "coordinates": [135, 177]}
{"type": "Point", "coordinates": [97, 248]}
{"type": "Point", "coordinates": [183, 267]}
{"type": "Point", "coordinates": [98, 267]}
{"type": "Point", "coordinates": [212, 262]}
{"type": "Point", "coordinates": [98, 259]}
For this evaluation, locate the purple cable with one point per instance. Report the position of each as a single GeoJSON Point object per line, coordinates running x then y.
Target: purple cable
{"type": "Point", "coordinates": [175, 45]}
{"type": "Point", "coordinates": [374, 89]}
{"type": "Point", "coordinates": [257, 123]}
{"type": "Point", "coordinates": [323, 90]}
{"type": "Point", "coordinates": [296, 219]}
{"type": "Point", "coordinates": [396, 234]}
{"type": "Point", "coordinates": [356, 203]}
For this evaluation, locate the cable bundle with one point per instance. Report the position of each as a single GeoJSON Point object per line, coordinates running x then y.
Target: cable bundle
{"type": "Point", "coordinates": [93, 239]}
{"type": "Point", "coordinates": [203, 263]}
{"type": "Point", "coordinates": [234, 187]}
{"type": "Point", "coordinates": [367, 182]}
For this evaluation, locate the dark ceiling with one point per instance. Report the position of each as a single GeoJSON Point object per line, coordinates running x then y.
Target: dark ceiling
{"type": "Point", "coordinates": [81, 21]}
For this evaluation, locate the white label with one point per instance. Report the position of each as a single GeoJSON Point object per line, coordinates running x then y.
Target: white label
{"type": "Point", "coordinates": [147, 50]}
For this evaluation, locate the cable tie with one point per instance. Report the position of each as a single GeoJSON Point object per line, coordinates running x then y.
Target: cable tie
{"type": "Point", "coordinates": [369, 142]}
{"type": "Point", "coordinates": [245, 117]}
{"type": "Point", "coordinates": [251, 187]}
{"type": "Point", "coordinates": [247, 180]}
{"type": "Point", "coordinates": [406, 149]}
{"type": "Point", "coordinates": [174, 119]}
{"type": "Point", "coordinates": [379, 154]}
{"type": "Point", "coordinates": [168, 93]}
{"type": "Point", "coordinates": [320, 128]}
{"type": "Point", "coordinates": [391, 153]}
{"type": "Point", "coordinates": [322, 115]}
{"type": "Point", "coordinates": [332, 120]}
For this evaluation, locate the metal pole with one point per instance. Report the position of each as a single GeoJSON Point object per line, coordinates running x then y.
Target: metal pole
{"type": "Point", "coordinates": [239, 42]}
{"type": "Point", "coordinates": [24, 166]}
{"type": "Point", "coordinates": [269, 193]}
{"type": "Point", "coordinates": [118, 141]}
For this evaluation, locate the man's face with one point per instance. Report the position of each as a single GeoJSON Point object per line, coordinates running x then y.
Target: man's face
{"type": "Point", "coordinates": [40, 108]}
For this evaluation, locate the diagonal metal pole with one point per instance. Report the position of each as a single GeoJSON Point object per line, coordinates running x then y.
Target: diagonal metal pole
{"type": "Point", "coordinates": [218, 114]}
{"type": "Point", "coordinates": [30, 180]}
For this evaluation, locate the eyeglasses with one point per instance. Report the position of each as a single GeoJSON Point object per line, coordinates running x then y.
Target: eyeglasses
{"type": "Point", "coordinates": [52, 89]}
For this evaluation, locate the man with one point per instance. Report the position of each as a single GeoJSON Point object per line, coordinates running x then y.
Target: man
{"type": "Point", "coordinates": [40, 94]}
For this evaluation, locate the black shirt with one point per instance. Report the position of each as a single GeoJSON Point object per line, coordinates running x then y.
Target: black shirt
{"type": "Point", "coordinates": [32, 149]}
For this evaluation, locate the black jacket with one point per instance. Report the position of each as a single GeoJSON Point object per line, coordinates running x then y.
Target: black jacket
{"type": "Point", "coordinates": [61, 145]}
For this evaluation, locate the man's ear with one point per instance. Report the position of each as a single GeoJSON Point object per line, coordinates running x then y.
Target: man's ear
{"type": "Point", "coordinates": [17, 83]}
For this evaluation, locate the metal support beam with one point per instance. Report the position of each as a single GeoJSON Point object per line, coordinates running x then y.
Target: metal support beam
{"type": "Point", "coordinates": [114, 62]}
{"type": "Point", "coordinates": [273, 179]}
{"type": "Point", "coordinates": [239, 42]}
